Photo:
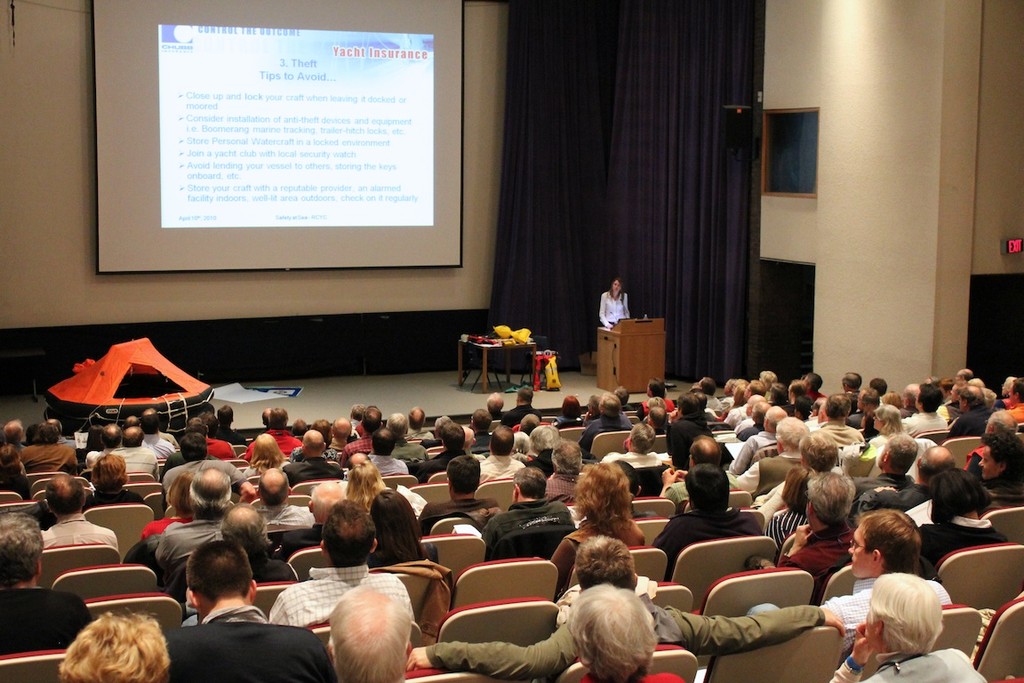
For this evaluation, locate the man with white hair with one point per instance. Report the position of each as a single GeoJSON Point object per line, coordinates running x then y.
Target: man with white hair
{"type": "Point", "coordinates": [611, 420]}
{"type": "Point", "coordinates": [773, 415]}
{"type": "Point", "coordinates": [765, 474]}
{"type": "Point", "coordinates": [639, 446]}
{"type": "Point", "coordinates": [323, 498]}
{"type": "Point", "coordinates": [610, 631]}
{"type": "Point", "coordinates": [398, 423]}
{"type": "Point", "coordinates": [369, 637]}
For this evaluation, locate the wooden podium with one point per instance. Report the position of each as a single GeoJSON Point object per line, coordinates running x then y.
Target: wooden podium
{"type": "Point", "coordinates": [630, 354]}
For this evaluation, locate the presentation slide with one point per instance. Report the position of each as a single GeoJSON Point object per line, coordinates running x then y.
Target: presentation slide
{"type": "Point", "coordinates": [261, 136]}
{"type": "Point", "coordinates": [284, 127]}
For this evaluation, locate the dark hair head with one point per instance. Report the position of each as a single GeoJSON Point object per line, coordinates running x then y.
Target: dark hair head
{"type": "Point", "coordinates": [803, 406]}
{"type": "Point", "coordinates": [398, 533]}
{"type": "Point", "coordinates": [10, 462]}
{"type": "Point", "coordinates": [502, 441]}
{"type": "Point", "coordinates": [111, 436]}
{"type": "Point", "coordinates": [218, 569]}
{"type": "Point", "coordinates": [602, 559]}
{"type": "Point", "coordinates": [852, 381]}
{"type": "Point", "coordinates": [813, 381]}
{"type": "Point", "coordinates": [837, 406]}
{"type": "Point", "coordinates": [371, 419]}
{"type": "Point", "coordinates": [244, 525]}
{"type": "Point", "coordinates": [656, 387]}
{"type": "Point", "coordinates": [193, 446]}
{"type": "Point", "coordinates": [383, 441]}
{"type": "Point", "coordinates": [525, 395]}
{"type": "Point", "coordinates": [150, 422]}
{"type": "Point", "coordinates": [464, 474]}
{"type": "Point", "coordinates": [955, 493]}
{"type": "Point", "coordinates": [930, 397]}
{"type": "Point", "coordinates": [481, 420]}
{"type": "Point", "coordinates": [1006, 449]}
{"type": "Point", "coordinates": [708, 488]}
{"type": "Point", "coordinates": [348, 534]}
{"type": "Point", "coordinates": [708, 386]}
{"type": "Point", "coordinates": [277, 418]}
{"type": "Point", "coordinates": [879, 385]}
{"type": "Point", "coordinates": [689, 403]}
{"type": "Point", "coordinates": [531, 482]}
{"type": "Point", "coordinates": [794, 489]}
{"type": "Point", "coordinates": [50, 434]}
{"type": "Point", "coordinates": [453, 437]}
{"type": "Point", "coordinates": [225, 415]}
{"type": "Point", "coordinates": [895, 536]}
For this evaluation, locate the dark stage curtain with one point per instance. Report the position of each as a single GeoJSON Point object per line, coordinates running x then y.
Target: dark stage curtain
{"type": "Point", "coordinates": [615, 163]}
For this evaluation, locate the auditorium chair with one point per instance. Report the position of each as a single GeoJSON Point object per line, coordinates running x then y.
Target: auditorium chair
{"type": "Point", "coordinates": [700, 564]}
{"type": "Point", "coordinates": [457, 551]}
{"type": "Point", "coordinates": [39, 666]}
{"type": "Point", "coordinates": [56, 561]}
{"type": "Point", "coordinates": [520, 621]}
{"type": "Point", "coordinates": [126, 520]}
{"type": "Point", "coordinates": [506, 579]}
{"type": "Point", "coordinates": [663, 507]}
{"type": "Point", "coordinates": [667, 659]}
{"type": "Point", "coordinates": [983, 576]}
{"type": "Point", "coordinates": [735, 594]}
{"type": "Point", "coordinates": [162, 607]}
{"type": "Point", "coordinates": [106, 580]}
{"type": "Point", "coordinates": [1000, 654]}
{"type": "Point", "coordinates": [811, 657]}
{"type": "Point", "coordinates": [1008, 521]}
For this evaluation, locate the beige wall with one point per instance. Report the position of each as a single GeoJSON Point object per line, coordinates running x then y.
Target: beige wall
{"type": "Point", "coordinates": [47, 205]}
{"type": "Point", "coordinates": [907, 174]}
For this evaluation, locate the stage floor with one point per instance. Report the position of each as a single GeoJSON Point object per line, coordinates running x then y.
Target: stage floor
{"type": "Point", "coordinates": [437, 393]}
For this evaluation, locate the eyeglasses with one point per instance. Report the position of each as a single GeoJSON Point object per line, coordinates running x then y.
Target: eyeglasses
{"type": "Point", "coordinates": [854, 545]}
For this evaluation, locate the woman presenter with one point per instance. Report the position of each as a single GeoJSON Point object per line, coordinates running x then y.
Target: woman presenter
{"type": "Point", "coordinates": [614, 305]}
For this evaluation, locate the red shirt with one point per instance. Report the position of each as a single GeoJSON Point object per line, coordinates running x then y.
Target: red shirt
{"type": "Point", "coordinates": [221, 450]}
{"type": "Point", "coordinates": [285, 441]}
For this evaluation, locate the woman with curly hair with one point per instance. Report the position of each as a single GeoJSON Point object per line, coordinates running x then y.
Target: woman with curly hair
{"type": "Point", "coordinates": [109, 475]}
{"type": "Point", "coordinates": [265, 456]}
{"type": "Point", "coordinates": [604, 505]}
{"type": "Point", "coordinates": [364, 483]}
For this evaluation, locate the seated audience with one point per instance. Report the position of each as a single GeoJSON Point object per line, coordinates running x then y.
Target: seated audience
{"type": "Point", "coordinates": [65, 495]}
{"type": "Point", "coordinates": [137, 457]}
{"type": "Point", "coordinates": [542, 440]}
{"type": "Point", "coordinates": [998, 421]}
{"type": "Point", "coordinates": [530, 509]}
{"type": "Point", "coordinates": [934, 460]}
{"type": "Point", "coordinates": [887, 424]}
{"type": "Point", "coordinates": [837, 410]}
{"type": "Point", "coordinates": [382, 457]}
{"type": "Point", "coordinates": [218, 448]}
{"type": "Point", "coordinates": [274, 492]}
{"type": "Point", "coordinates": [463, 481]}
{"type": "Point", "coordinates": [1002, 469]}
{"type": "Point", "coordinates": [927, 418]}
{"type": "Point", "coordinates": [903, 620]}
{"type": "Point", "coordinates": [603, 560]}
{"type": "Point", "coordinates": [349, 536]}
{"type": "Point", "coordinates": [703, 451]}
{"type": "Point", "coordinates": [611, 635]}
{"type": "Point", "coordinates": [12, 478]}
{"type": "Point", "coordinates": [234, 642]}
{"type": "Point", "coordinates": [398, 532]}
{"type": "Point", "coordinates": [610, 420]}
{"type": "Point", "coordinates": [225, 418]}
{"type": "Point", "coordinates": [118, 648]}
{"type": "Point", "coordinates": [416, 419]}
{"type": "Point", "coordinates": [398, 423]}
{"type": "Point", "coordinates": [369, 637]}
{"type": "Point", "coordinates": [765, 474]}
{"type": "Point", "coordinates": [885, 542]}
{"type": "Point", "coordinates": [826, 537]}
{"type": "Point", "coordinates": [323, 498]}
{"type": "Point", "coordinates": [277, 427]}
{"type": "Point", "coordinates": [153, 438]}
{"type": "Point", "coordinates": [196, 460]}
{"type": "Point", "coordinates": [709, 516]}
{"type": "Point", "coordinates": [500, 464]}
{"type": "Point", "coordinates": [958, 501]}
{"type": "Point", "coordinates": [33, 618]}
{"type": "Point", "coordinates": [313, 465]}
{"type": "Point", "coordinates": [265, 455]}
{"type": "Point", "coordinates": [570, 415]}
{"type": "Point", "coordinates": [453, 437]}
{"type": "Point", "coordinates": [110, 438]}
{"type": "Point", "coordinates": [895, 461]}
{"type": "Point", "coordinates": [973, 413]}
{"type": "Point", "coordinates": [108, 479]}
{"type": "Point", "coordinates": [794, 494]}
{"type": "Point", "coordinates": [47, 453]}
{"type": "Point", "coordinates": [211, 497]}
{"type": "Point", "coordinates": [691, 423]}
{"type": "Point", "coordinates": [178, 497]}
{"type": "Point", "coordinates": [566, 462]}
{"type": "Point", "coordinates": [245, 526]}
{"type": "Point", "coordinates": [639, 446]}
{"type": "Point", "coordinates": [771, 416]}
{"type": "Point", "coordinates": [370, 422]}
{"type": "Point", "coordinates": [364, 483]}
{"type": "Point", "coordinates": [480, 421]}
{"type": "Point", "coordinates": [523, 407]}
{"type": "Point", "coordinates": [604, 503]}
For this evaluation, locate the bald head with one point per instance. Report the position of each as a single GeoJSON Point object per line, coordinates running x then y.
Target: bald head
{"type": "Point", "coordinates": [274, 487]}
{"type": "Point", "coordinates": [323, 499]}
{"type": "Point", "coordinates": [341, 430]}
{"type": "Point", "coordinates": [934, 460]}
{"type": "Point", "coordinates": [357, 459]}
{"type": "Point", "coordinates": [705, 450]}
{"type": "Point", "coordinates": [773, 417]}
{"type": "Point", "coordinates": [313, 444]}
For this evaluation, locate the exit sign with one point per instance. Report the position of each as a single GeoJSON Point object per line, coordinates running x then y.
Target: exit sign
{"type": "Point", "coordinates": [1013, 246]}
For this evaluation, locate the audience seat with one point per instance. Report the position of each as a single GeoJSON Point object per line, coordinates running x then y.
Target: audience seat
{"type": "Point", "coordinates": [521, 621]}
{"type": "Point", "coordinates": [162, 607]}
{"type": "Point", "coordinates": [811, 657]}
{"type": "Point", "coordinates": [266, 594]}
{"type": "Point", "coordinates": [106, 580]}
{"type": "Point", "coordinates": [960, 447]}
{"type": "Point", "coordinates": [305, 488]}
{"type": "Point", "coordinates": [140, 477]}
{"type": "Point", "coordinates": [571, 433]}
{"type": "Point", "coordinates": [939, 437]}
{"type": "Point", "coordinates": [668, 659]}
{"type": "Point", "coordinates": [144, 488]}
{"type": "Point", "coordinates": [39, 666]}
{"type": "Point", "coordinates": [650, 562]}
{"type": "Point", "coordinates": [307, 558]}
{"type": "Point", "coordinates": [700, 564]}
{"type": "Point", "coordinates": [673, 595]}
{"type": "Point", "coordinates": [457, 551]}
{"type": "Point", "coordinates": [663, 507]}
{"type": "Point", "coordinates": [446, 525]}
{"type": "Point", "coordinates": [155, 501]}
{"type": "Point", "coordinates": [608, 442]}
{"type": "Point", "coordinates": [1008, 521]}
{"type": "Point", "coordinates": [500, 490]}
{"type": "Point", "coordinates": [56, 561]}
{"type": "Point", "coordinates": [651, 526]}
{"type": "Point", "coordinates": [735, 594]}
{"type": "Point", "coordinates": [1000, 654]}
{"type": "Point", "coordinates": [961, 628]}
{"type": "Point", "coordinates": [506, 579]}
{"type": "Point", "coordinates": [10, 497]}
{"type": "Point", "coordinates": [126, 520]}
{"type": "Point", "coordinates": [433, 493]}
{"type": "Point", "coordinates": [739, 498]}
{"type": "Point", "coordinates": [840, 583]}
{"type": "Point", "coordinates": [984, 576]}
{"type": "Point", "coordinates": [393, 481]}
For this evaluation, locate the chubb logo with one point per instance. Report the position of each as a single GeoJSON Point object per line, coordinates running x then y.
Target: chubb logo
{"type": "Point", "coordinates": [176, 38]}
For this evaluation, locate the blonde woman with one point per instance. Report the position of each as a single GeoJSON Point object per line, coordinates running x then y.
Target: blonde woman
{"type": "Point", "coordinates": [364, 483]}
{"type": "Point", "coordinates": [265, 456]}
